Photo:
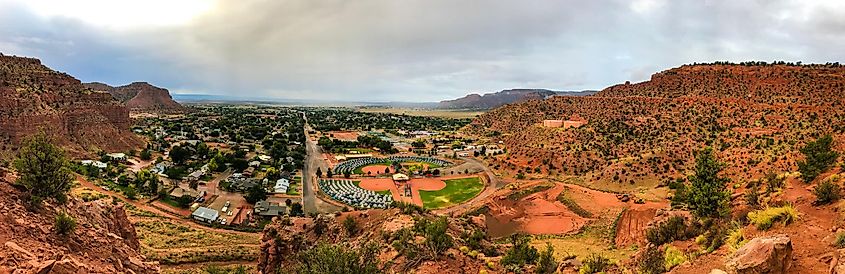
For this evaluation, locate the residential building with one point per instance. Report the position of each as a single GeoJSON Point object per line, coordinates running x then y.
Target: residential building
{"type": "Point", "coordinates": [269, 209]}
{"type": "Point", "coordinates": [204, 214]}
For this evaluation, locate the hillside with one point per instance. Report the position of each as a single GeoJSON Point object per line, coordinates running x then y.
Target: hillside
{"type": "Point", "coordinates": [104, 241]}
{"type": "Point", "coordinates": [141, 96]}
{"type": "Point", "coordinates": [494, 100]}
{"type": "Point", "coordinates": [755, 116]}
{"type": "Point", "coordinates": [402, 243]}
{"type": "Point", "coordinates": [33, 97]}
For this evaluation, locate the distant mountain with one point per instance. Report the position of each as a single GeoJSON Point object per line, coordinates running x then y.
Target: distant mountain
{"type": "Point", "coordinates": [494, 100]}
{"type": "Point", "coordinates": [141, 96]}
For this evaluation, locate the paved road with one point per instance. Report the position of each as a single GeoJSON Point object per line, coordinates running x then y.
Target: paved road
{"type": "Point", "coordinates": [313, 160]}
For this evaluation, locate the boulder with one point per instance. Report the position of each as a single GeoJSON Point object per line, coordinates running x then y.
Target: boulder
{"type": "Point", "coordinates": [771, 254]}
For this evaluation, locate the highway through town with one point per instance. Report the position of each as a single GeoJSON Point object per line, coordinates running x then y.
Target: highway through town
{"type": "Point", "coordinates": [313, 160]}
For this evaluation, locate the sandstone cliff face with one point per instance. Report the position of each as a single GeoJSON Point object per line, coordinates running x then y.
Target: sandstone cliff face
{"type": "Point", "coordinates": [104, 241]}
{"type": "Point", "coordinates": [33, 97]}
{"type": "Point", "coordinates": [141, 96]}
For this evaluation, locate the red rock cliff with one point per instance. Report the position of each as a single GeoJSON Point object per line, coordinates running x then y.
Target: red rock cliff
{"type": "Point", "coordinates": [33, 97]}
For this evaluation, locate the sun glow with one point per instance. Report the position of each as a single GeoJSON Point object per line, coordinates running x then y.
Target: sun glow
{"type": "Point", "coordinates": [120, 14]}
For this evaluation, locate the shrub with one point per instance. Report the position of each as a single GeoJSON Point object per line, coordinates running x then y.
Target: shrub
{"type": "Point", "coordinates": [818, 157]}
{"type": "Point", "coordinates": [827, 192]}
{"type": "Point", "coordinates": [65, 224]}
{"type": "Point", "coordinates": [521, 253]}
{"type": "Point", "coordinates": [673, 257]}
{"type": "Point", "coordinates": [546, 263]}
{"type": "Point", "coordinates": [766, 218]}
{"type": "Point", "coordinates": [652, 261]}
{"type": "Point", "coordinates": [674, 228]}
{"type": "Point", "coordinates": [594, 264]}
{"type": "Point", "coordinates": [325, 258]}
{"type": "Point", "coordinates": [350, 225]}
{"type": "Point", "coordinates": [752, 196]}
{"type": "Point", "coordinates": [714, 237]}
{"type": "Point", "coordinates": [840, 240]}
{"type": "Point", "coordinates": [736, 238]}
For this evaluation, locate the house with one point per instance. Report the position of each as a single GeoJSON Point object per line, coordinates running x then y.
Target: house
{"type": "Point", "coordinates": [117, 156]}
{"type": "Point", "coordinates": [196, 175]}
{"type": "Point", "coordinates": [182, 192]}
{"type": "Point", "coordinates": [255, 163]}
{"type": "Point", "coordinates": [265, 158]}
{"type": "Point", "coordinates": [204, 214]}
{"type": "Point", "coordinates": [464, 154]}
{"type": "Point", "coordinates": [243, 184]}
{"type": "Point", "coordinates": [268, 209]}
{"type": "Point", "coordinates": [160, 168]}
{"type": "Point", "coordinates": [96, 164]}
{"type": "Point", "coordinates": [281, 186]}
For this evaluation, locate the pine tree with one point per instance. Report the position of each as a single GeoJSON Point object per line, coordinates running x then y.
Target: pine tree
{"type": "Point", "coordinates": [707, 195]}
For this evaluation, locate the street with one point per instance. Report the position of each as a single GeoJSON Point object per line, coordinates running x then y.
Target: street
{"type": "Point", "coordinates": [313, 160]}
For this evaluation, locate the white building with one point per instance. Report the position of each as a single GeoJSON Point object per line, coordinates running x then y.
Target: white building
{"type": "Point", "coordinates": [117, 156]}
{"type": "Point", "coordinates": [281, 186]}
{"type": "Point", "coordinates": [205, 214]}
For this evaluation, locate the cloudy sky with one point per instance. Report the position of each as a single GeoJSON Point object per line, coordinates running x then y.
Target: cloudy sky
{"type": "Point", "coordinates": [407, 50]}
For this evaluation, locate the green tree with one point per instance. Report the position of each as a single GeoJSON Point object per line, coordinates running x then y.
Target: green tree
{"type": "Point", "coordinates": [818, 157]}
{"type": "Point", "coordinates": [319, 173]}
{"type": "Point", "coordinates": [255, 194]}
{"type": "Point", "coordinates": [43, 170]}
{"type": "Point", "coordinates": [296, 210]}
{"type": "Point", "coordinates": [707, 195]}
{"type": "Point", "coordinates": [146, 155]}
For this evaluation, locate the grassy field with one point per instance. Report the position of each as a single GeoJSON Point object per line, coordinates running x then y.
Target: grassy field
{"type": "Point", "coordinates": [173, 243]}
{"type": "Point", "coordinates": [454, 114]}
{"type": "Point", "coordinates": [455, 192]}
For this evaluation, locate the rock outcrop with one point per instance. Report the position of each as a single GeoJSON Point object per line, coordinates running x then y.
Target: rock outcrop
{"type": "Point", "coordinates": [762, 255]}
{"type": "Point", "coordinates": [33, 97]}
{"type": "Point", "coordinates": [103, 242]}
{"type": "Point", "coordinates": [141, 96]}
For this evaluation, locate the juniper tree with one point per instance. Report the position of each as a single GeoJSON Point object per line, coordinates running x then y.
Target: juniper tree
{"type": "Point", "coordinates": [43, 169]}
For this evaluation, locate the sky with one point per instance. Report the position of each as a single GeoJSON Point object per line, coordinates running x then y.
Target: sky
{"type": "Point", "coordinates": [407, 50]}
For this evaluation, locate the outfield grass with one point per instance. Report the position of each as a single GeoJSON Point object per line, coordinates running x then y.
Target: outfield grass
{"type": "Point", "coordinates": [456, 191]}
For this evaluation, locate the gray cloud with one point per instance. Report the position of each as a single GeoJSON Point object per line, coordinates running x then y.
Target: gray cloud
{"type": "Point", "coordinates": [425, 50]}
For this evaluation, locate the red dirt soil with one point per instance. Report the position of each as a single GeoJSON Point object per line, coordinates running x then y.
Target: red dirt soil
{"type": "Point", "coordinates": [542, 213]}
{"type": "Point", "coordinates": [345, 135]}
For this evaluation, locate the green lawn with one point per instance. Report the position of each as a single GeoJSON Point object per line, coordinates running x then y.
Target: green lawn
{"type": "Point", "coordinates": [456, 191]}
